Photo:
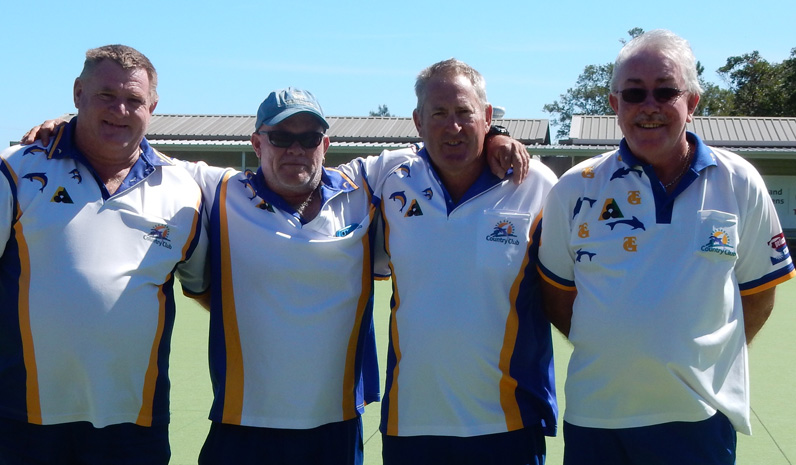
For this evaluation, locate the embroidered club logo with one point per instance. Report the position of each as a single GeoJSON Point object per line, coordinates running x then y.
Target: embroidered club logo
{"type": "Point", "coordinates": [720, 242]}
{"type": "Point", "coordinates": [159, 235]}
{"type": "Point", "coordinates": [779, 249]}
{"type": "Point", "coordinates": [503, 233]}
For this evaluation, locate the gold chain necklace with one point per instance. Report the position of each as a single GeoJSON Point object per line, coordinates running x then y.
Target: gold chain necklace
{"type": "Point", "coordinates": [686, 165]}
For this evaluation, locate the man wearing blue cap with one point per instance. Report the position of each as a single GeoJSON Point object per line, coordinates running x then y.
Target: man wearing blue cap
{"type": "Point", "coordinates": [288, 342]}
{"type": "Point", "coordinates": [292, 350]}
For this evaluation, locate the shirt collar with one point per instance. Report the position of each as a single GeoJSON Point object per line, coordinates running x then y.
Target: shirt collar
{"type": "Point", "coordinates": [703, 155]}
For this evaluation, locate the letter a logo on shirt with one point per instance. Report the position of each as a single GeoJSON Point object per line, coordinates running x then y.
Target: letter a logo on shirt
{"type": "Point", "coordinates": [610, 210]}
{"type": "Point", "coordinates": [414, 210]}
{"type": "Point", "coordinates": [61, 196]}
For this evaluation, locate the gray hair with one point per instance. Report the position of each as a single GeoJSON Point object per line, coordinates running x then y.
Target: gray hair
{"type": "Point", "coordinates": [672, 46]}
{"type": "Point", "coordinates": [450, 68]}
{"type": "Point", "coordinates": [124, 56]}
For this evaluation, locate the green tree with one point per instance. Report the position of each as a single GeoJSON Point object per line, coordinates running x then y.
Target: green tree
{"type": "Point", "coordinates": [588, 97]}
{"type": "Point", "coordinates": [714, 101]}
{"type": "Point", "coordinates": [755, 84]}
{"type": "Point", "coordinates": [789, 82]}
{"type": "Point", "coordinates": [382, 111]}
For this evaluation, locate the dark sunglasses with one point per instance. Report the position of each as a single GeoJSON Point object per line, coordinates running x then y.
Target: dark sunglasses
{"type": "Point", "coordinates": [661, 94]}
{"type": "Point", "coordinates": [284, 139]}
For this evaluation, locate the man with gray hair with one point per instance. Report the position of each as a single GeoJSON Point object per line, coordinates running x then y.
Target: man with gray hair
{"type": "Point", "coordinates": [470, 368]}
{"type": "Point", "coordinates": [660, 261]}
{"type": "Point", "coordinates": [93, 229]}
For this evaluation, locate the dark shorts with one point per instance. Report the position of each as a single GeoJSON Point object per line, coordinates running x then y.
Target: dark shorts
{"type": "Point", "coordinates": [521, 447]}
{"type": "Point", "coordinates": [81, 443]}
{"type": "Point", "coordinates": [331, 444]}
{"type": "Point", "coordinates": [709, 442]}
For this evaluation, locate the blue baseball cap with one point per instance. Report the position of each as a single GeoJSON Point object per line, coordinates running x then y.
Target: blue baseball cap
{"type": "Point", "coordinates": [283, 104]}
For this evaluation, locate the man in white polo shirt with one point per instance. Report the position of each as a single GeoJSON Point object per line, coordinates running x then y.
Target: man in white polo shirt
{"type": "Point", "coordinates": [291, 342]}
{"type": "Point", "coordinates": [93, 228]}
{"type": "Point", "coordinates": [660, 261]}
{"type": "Point", "coordinates": [470, 367]}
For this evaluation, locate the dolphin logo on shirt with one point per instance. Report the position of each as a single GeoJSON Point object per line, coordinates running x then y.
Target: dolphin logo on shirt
{"type": "Point", "coordinates": [634, 223]}
{"type": "Point", "coordinates": [399, 197]}
{"type": "Point", "coordinates": [34, 149]}
{"type": "Point", "coordinates": [428, 193]}
{"type": "Point", "coordinates": [583, 253]}
{"type": "Point", "coordinates": [76, 175]}
{"type": "Point", "coordinates": [622, 172]}
{"type": "Point", "coordinates": [404, 171]}
{"type": "Point", "coordinates": [247, 183]}
{"type": "Point", "coordinates": [41, 177]}
{"type": "Point", "coordinates": [579, 204]}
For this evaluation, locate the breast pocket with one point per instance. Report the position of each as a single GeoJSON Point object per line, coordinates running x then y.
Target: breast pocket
{"type": "Point", "coordinates": [502, 238]}
{"type": "Point", "coordinates": [716, 235]}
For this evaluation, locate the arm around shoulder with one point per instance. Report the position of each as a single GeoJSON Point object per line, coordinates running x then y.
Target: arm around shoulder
{"type": "Point", "coordinates": [558, 305]}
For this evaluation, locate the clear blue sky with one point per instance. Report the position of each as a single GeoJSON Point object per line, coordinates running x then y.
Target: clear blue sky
{"type": "Point", "coordinates": [223, 57]}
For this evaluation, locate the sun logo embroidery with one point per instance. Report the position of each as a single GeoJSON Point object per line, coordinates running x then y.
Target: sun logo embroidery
{"type": "Point", "coordinates": [720, 242]}
{"type": "Point", "coordinates": [160, 231]}
{"type": "Point", "coordinates": [159, 235]}
{"type": "Point", "coordinates": [588, 172]}
{"type": "Point", "coordinates": [503, 232]}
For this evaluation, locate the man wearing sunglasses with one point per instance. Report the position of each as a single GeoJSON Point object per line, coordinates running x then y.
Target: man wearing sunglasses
{"type": "Point", "coordinates": [660, 261]}
{"type": "Point", "coordinates": [292, 352]}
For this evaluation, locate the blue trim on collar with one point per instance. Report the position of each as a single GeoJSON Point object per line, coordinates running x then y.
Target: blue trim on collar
{"type": "Point", "coordinates": [664, 202]}
{"type": "Point", "coordinates": [64, 147]}
{"type": "Point", "coordinates": [703, 154]}
{"type": "Point", "coordinates": [332, 183]}
{"type": "Point", "coordinates": [485, 181]}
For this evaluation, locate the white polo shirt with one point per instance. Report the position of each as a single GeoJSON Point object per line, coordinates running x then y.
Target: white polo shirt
{"type": "Point", "coordinates": [291, 337]}
{"type": "Point", "coordinates": [470, 350]}
{"type": "Point", "coordinates": [86, 280]}
{"type": "Point", "coordinates": [657, 324]}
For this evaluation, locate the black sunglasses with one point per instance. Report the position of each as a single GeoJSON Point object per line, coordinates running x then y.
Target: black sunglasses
{"type": "Point", "coordinates": [284, 139]}
{"type": "Point", "coordinates": [661, 94]}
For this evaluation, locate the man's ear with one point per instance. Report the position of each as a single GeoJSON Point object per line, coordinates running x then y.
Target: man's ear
{"type": "Point", "coordinates": [693, 101]}
{"type": "Point", "coordinates": [77, 91]}
{"type": "Point", "coordinates": [256, 144]}
{"type": "Point", "coordinates": [418, 125]}
{"type": "Point", "coordinates": [614, 102]}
